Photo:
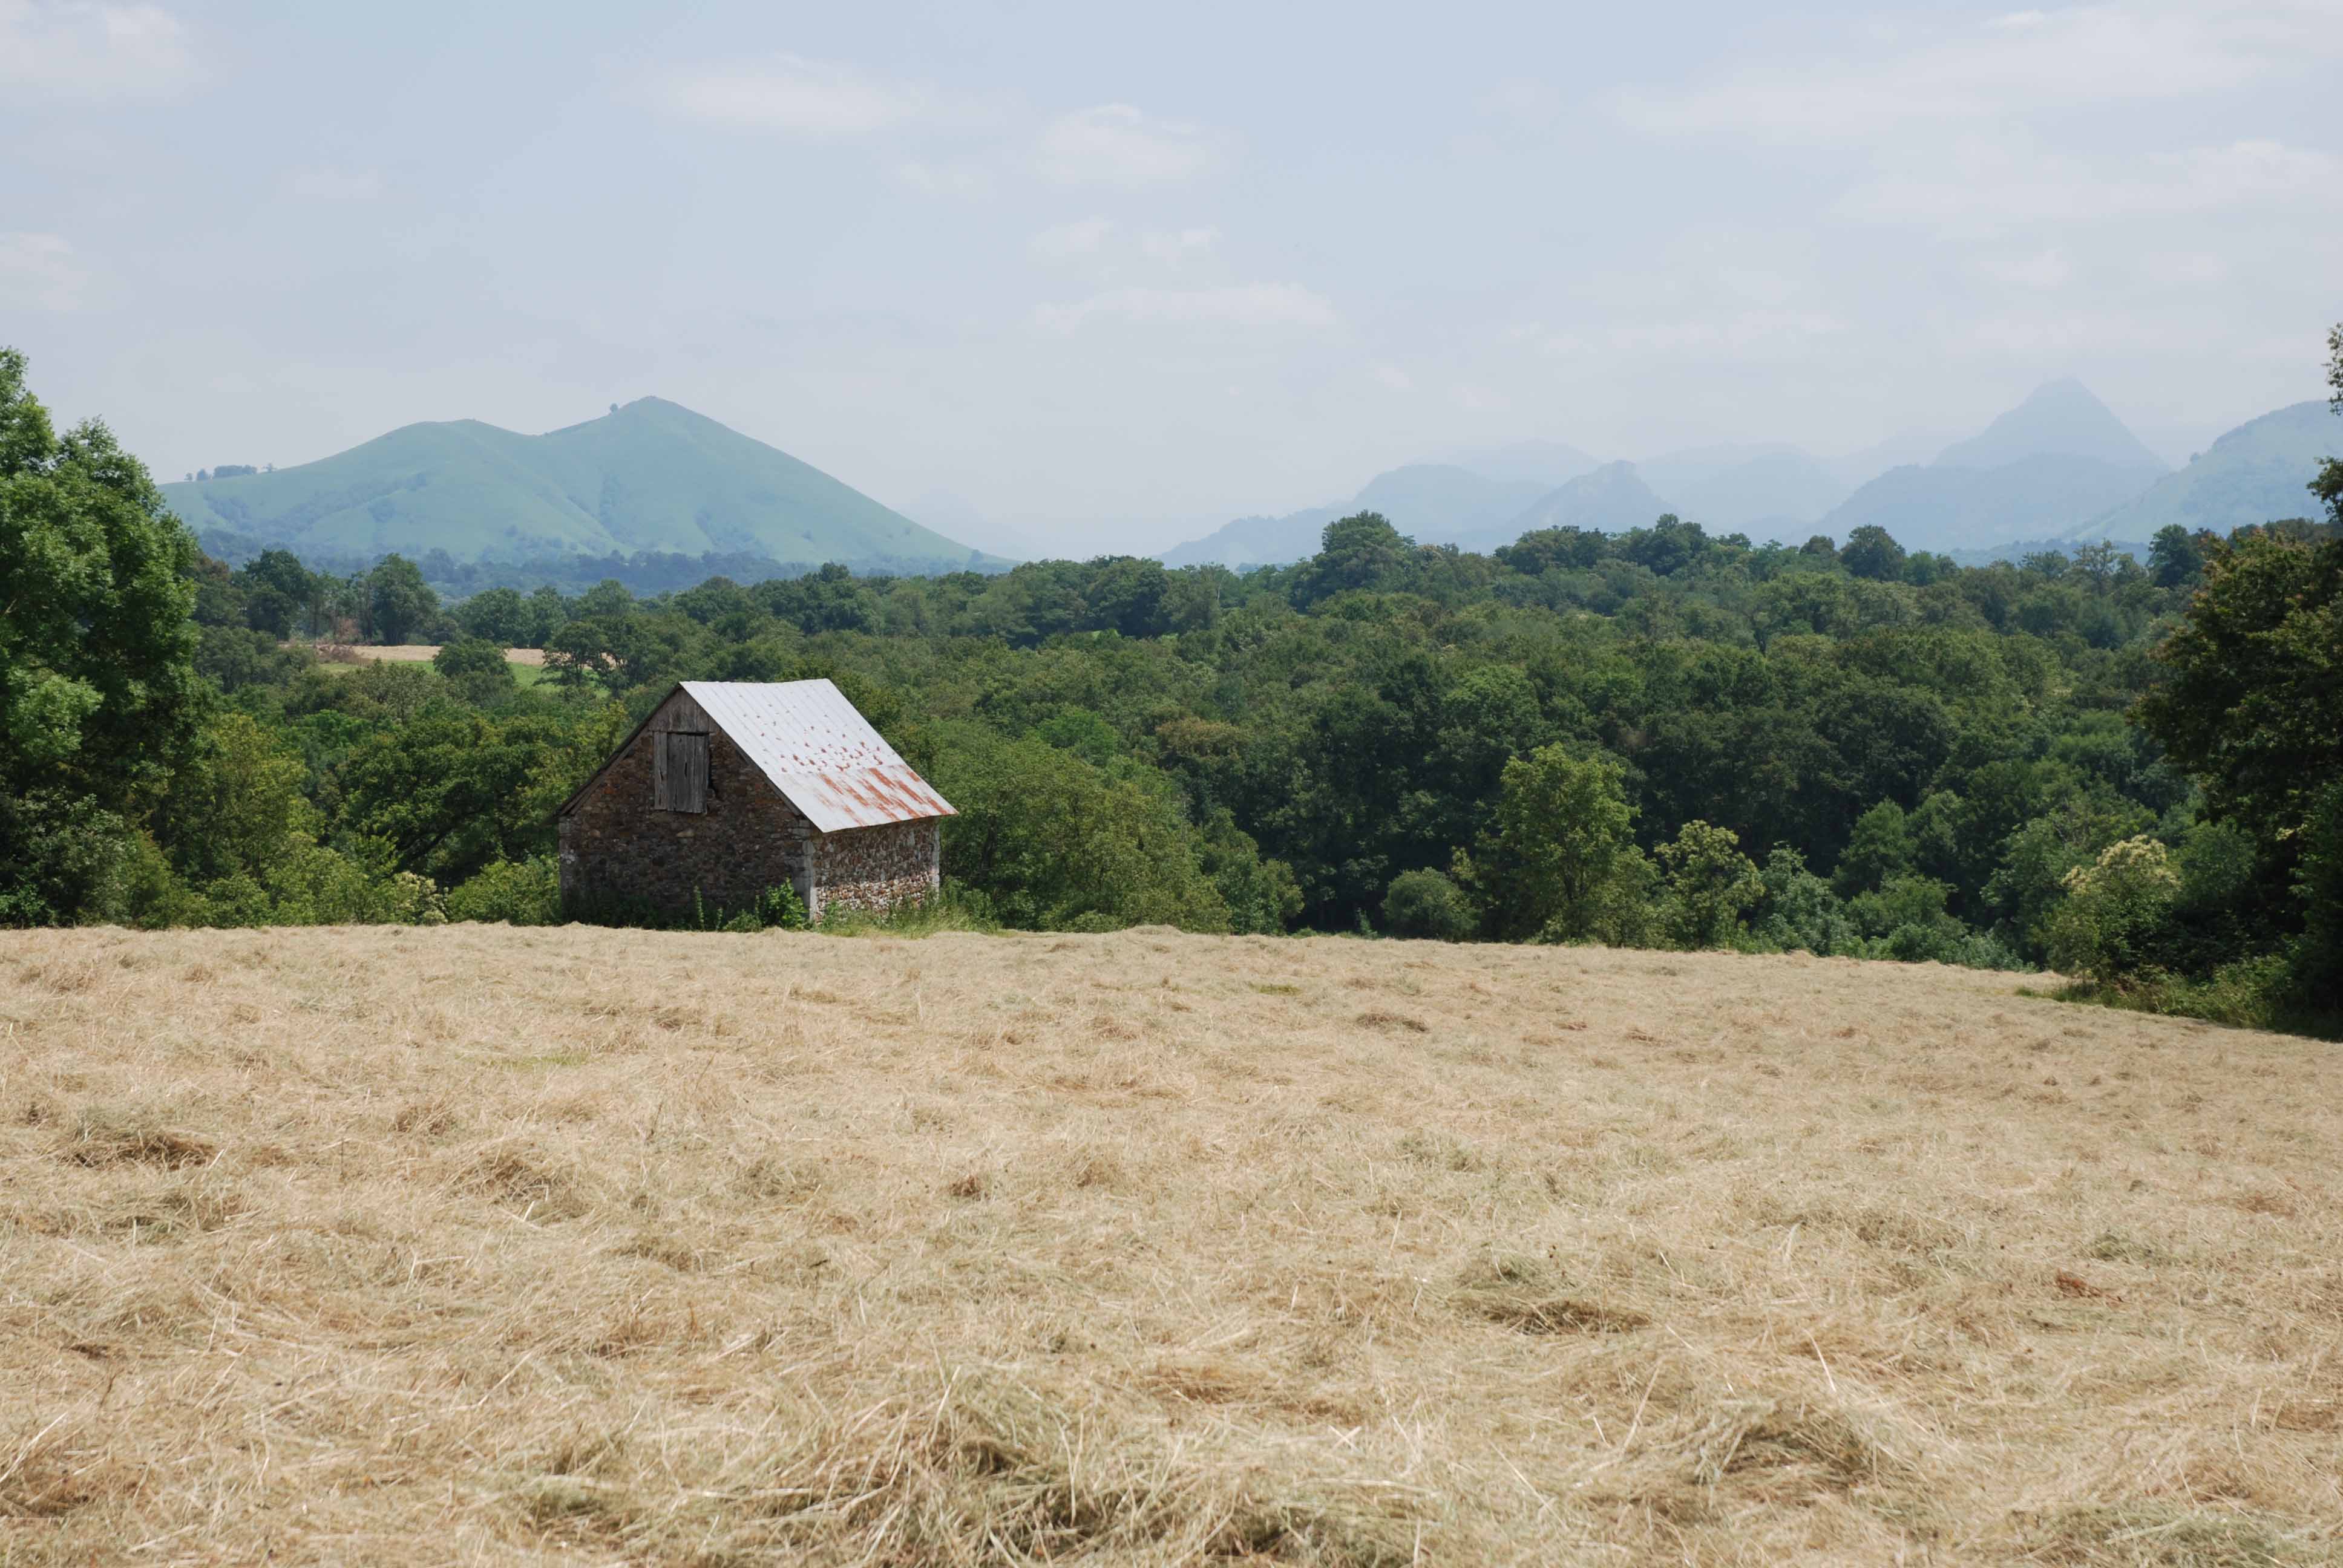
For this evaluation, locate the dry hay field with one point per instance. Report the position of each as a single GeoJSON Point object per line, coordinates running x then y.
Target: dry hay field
{"type": "Point", "coordinates": [403, 653]}
{"type": "Point", "coordinates": [487, 1245]}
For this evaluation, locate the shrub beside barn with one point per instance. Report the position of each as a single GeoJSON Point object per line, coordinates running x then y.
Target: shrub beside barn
{"type": "Point", "coordinates": [733, 787]}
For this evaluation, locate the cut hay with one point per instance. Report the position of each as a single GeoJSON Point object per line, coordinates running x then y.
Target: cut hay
{"type": "Point", "coordinates": [489, 1245]}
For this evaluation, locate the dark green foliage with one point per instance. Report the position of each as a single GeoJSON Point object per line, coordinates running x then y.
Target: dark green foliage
{"type": "Point", "coordinates": [1871, 553]}
{"type": "Point", "coordinates": [398, 602]}
{"type": "Point", "coordinates": [99, 698]}
{"type": "Point", "coordinates": [476, 670]}
{"type": "Point", "coordinates": [2250, 695]}
{"type": "Point", "coordinates": [2174, 557]}
{"type": "Point", "coordinates": [516, 892]}
{"type": "Point", "coordinates": [1054, 842]}
{"type": "Point", "coordinates": [1428, 905]}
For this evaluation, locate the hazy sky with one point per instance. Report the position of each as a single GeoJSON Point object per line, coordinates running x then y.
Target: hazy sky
{"type": "Point", "coordinates": [1113, 274]}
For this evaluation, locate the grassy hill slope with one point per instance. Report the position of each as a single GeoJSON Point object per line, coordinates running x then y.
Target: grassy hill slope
{"type": "Point", "coordinates": [474, 1243]}
{"type": "Point", "coordinates": [653, 476]}
{"type": "Point", "coordinates": [2256, 473]}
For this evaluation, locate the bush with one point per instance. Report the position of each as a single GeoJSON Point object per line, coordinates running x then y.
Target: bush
{"type": "Point", "coordinates": [1800, 912]}
{"type": "Point", "coordinates": [2113, 912]}
{"type": "Point", "coordinates": [1427, 904]}
{"type": "Point", "coordinates": [1710, 882]}
{"type": "Point", "coordinates": [518, 893]}
{"type": "Point", "coordinates": [781, 909]}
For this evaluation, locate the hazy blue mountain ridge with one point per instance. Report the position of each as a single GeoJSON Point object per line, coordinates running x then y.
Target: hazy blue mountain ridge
{"type": "Point", "coordinates": [1731, 488]}
{"type": "Point", "coordinates": [2059, 418]}
{"type": "Point", "coordinates": [1947, 509]}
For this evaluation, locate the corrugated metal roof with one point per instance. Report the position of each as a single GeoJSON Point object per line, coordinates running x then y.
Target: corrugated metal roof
{"type": "Point", "coordinates": [819, 751]}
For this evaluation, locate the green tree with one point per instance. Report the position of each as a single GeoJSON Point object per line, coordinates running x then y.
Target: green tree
{"type": "Point", "coordinates": [1428, 905]}
{"type": "Point", "coordinates": [1880, 848]}
{"type": "Point", "coordinates": [2174, 557]}
{"type": "Point", "coordinates": [1057, 844]}
{"type": "Point", "coordinates": [1359, 551]}
{"type": "Point", "coordinates": [1710, 883]}
{"type": "Point", "coordinates": [2113, 909]}
{"type": "Point", "coordinates": [99, 698]}
{"type": "Point", "coordinates": [400, 601]}
{"type": "Point", "coordinates": [2329, 485]}
{"type": "Point", "coordinates": [1872, 552]}
{"type": "Point", "coordinates": [1562, 831]}
{"type": "Point", "coordinates": [477, 669]}
{"type": "Point", "coordinates": [2250, 698]}
{"type": "Point", "coordinates": [450, 790]}
{"type": "Point", "coordinates": [500, 616]}
{"type": "Point", "coordinates": [238, 806]}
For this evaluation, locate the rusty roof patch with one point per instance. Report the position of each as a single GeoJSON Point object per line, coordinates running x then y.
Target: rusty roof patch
{"type": "Point", "coordinates": [819, 751]}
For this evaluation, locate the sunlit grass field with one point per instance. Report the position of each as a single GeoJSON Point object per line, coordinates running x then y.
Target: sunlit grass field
{"type": "Point", "coordinates": [478, 1244]}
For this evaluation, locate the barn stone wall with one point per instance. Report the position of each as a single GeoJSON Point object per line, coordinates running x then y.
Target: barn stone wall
{"type": "Point", "coordinates": [876, 868]}
{"type": "Point", "coordinates": [615, 849]}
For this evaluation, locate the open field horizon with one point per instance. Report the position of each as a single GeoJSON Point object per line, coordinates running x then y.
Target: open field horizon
{"type": "Point", "coordinates": [575, 1245]}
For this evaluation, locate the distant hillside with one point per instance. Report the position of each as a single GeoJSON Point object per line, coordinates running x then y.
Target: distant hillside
{"type": "Point", "coordinates": [1433, 502]}
{"type": "Point", "coordinates": [1954, 509]}
{"type": "Point", "coordinates": [651, 476]}
{"type": "Point", "coordinates": [1612, 499]}
{"type": "Point", "coordinates": [1257, 541]}
{"type": "Point", "coordinates": [2255, 474]}
{"type": "Point", "coordinates": [1770, 489]}
{"type": "Point", "coordinates": [2041, 470]}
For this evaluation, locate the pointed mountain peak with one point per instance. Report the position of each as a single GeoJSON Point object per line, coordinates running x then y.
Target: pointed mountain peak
{"type": "Point", "coordinates": [2059, 419]}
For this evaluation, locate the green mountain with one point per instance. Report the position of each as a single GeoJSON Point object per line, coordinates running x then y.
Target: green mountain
{"type": "Point", "coordinates": [650, 476]}
{"type": "Point", "coordinates": [2255, 474]}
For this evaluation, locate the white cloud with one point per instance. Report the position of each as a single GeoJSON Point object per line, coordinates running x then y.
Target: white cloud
{"type": "Point", "coordinates": [1116, 145]}
{"type": "Point", "coordinates": [1237, 305]}
{"type": "Point", "coordinates": [790, 93]}
{"type": "Point", "coordinates": [1393, 378]}
{"type": "Point", "coordinates": [2011, 65]}
{"type": "Point", "coordinates": [39, 270]}
{"type": "Point", "coordinates": [319, 182]}
{"type": "Point", "coordinates": [1064, 241]}
{"type": "Point", "coordinates": [72, 49]}
{"type": "Point", "coordinates": [1177, 245]}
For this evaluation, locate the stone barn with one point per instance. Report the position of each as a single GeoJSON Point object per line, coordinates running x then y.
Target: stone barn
{"type": "Point", "coordinates": [730, 788]}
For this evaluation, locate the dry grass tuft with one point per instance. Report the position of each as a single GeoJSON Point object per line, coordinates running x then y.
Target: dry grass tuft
{"type": "Point", "coordinates": [579, 1246]}
{"type": "Point", "coordinates": [103, 1136]}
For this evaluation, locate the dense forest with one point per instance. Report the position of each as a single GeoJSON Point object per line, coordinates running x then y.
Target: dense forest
{"type": "Point", "coordinates": [2129, 771]}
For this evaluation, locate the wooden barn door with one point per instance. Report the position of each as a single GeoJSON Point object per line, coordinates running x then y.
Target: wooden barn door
{"type": "Point", "coordinates": [680, 771]}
